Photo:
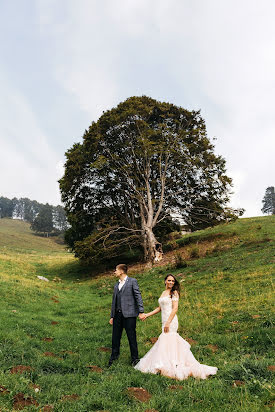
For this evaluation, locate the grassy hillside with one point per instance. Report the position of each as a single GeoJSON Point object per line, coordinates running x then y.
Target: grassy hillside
{"type": "Point", "coordinates": [16, 236]}
{"type": "Point", "coordinates": [59, 330]}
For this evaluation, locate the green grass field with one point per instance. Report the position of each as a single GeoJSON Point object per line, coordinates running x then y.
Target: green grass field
{"type": "Point", "coordinates": [59, 329]}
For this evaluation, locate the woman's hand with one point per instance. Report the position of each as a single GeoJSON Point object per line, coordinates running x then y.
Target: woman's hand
{"type": "Point", "coordinates": [145, 316]}
{"type": "Point", "coordinates": [166, 327]}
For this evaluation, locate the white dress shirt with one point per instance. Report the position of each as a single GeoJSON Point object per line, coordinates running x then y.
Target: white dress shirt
{"type": "Point", "coordinates": [121, 282]}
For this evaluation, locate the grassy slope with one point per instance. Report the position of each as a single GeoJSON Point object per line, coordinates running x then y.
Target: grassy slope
{"type": "Point", "coordinates": [226, 302]}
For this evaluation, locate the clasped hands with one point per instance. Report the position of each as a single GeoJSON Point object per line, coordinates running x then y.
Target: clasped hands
{"type": "Point", "coordinates": [142, 316]}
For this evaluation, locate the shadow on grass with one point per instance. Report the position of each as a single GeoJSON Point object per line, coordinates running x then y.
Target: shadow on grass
{"type": "Point", "coordinates": [76, 270]}
{"type": "Point", "coordinates": [69, 271]}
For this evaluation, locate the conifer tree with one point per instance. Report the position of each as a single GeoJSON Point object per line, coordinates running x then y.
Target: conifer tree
{"type": "Point", "coordinates": [269, 201]}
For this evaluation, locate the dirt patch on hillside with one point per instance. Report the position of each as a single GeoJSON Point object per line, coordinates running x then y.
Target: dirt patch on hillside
{"type": "Point", "coordinates": [175, 387]}
{"type": "Point", "coordinates": [139, 393]}
{"type": "Point", "coordinates": [21, 369]}
{"type": "Point", "coordinates": [213, 348]}
{"type": "Point", "coordinates": [21, 401]}
{"type": "Point", "coordinates": [191, 341]}
{"type": "Point", "coordinates": [52, 355]}
{"type": "Point", "coordinates": [94, 368]}
{"type": "Point", "coordinates": [71, 398]}
{"type": "Point", "coordinates": [238, 383]}
{"type": "Point", "coordinates": [4, 390]}
{"type": "Point", "coordinates": [104, 349]}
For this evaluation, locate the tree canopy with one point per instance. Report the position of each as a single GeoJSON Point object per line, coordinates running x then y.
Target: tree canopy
{"type": "Point", "coordinates": [44, 220]}
{"type": "Point", "coordinates": [6, 207]}
{"type": "Point", "coordinates": [141, 163]}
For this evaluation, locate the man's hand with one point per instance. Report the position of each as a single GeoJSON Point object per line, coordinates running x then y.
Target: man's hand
{"type": "Point", "coordinates": [142, 316]}
{"type": "Point", "coordinates": [111, 321]}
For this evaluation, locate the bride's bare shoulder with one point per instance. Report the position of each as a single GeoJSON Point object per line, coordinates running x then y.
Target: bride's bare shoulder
{"type": "Point", "coordinates": [176, 295]}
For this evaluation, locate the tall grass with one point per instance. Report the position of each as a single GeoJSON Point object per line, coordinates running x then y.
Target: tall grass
{"type": "Point", "coordinates": [225, 308]}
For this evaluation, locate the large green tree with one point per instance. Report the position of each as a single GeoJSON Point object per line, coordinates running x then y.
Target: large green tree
{"type": "Point", "coordinates": [139, 164]}
{"type": "Point", "coordinates": [6, 207]}
{"type": "Point", "coordinates": [269, 201]}
{"type": "Point", "coordinates": [43, 223]}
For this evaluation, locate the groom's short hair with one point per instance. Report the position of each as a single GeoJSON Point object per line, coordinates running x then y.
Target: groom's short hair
{"type": "Point", "coordinates": [123, 267]}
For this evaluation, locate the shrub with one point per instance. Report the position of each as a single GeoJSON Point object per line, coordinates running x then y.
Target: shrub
{"type": "Point", "coordinates": [171, 245]}
{"type": "Point", "coordinates": [179, 261]}
{"type": "Point", "coordinates": [184, 241]}
{"type": "Point", "coordinates": [194, 252]}
{"type": "Point", "coordinates": [174, 235]}
{"type": "Point", "coordinates": [218, 248]}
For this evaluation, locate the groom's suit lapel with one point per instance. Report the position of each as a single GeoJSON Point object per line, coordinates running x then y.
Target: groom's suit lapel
{"type": "Point", "coordinates": [116, 288]}
{"type": "Point", "coordinates": [124, 286]}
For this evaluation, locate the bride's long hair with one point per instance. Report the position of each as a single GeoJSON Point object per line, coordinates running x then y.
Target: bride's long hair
{"type": "Point", "coordinates": [176, 285]}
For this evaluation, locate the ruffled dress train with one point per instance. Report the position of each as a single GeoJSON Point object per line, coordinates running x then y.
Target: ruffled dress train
{"type": "Point", "coordinates": [171, 355]}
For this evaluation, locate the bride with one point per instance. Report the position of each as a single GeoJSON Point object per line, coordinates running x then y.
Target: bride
{"type": "Point", "coordinates": [171, 355]}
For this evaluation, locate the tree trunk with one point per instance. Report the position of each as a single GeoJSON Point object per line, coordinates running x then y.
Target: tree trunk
{"type": "Point", "coordinates": [151, 246]}
{"type": "Point", "coordinates": [145, 246]}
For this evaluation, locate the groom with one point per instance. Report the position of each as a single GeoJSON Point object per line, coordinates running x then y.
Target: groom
{"type": "Point", "coordinates": [126, 306]}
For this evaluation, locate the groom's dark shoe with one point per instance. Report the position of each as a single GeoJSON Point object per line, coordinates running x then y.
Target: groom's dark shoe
{"type": "Point", "coordinates": [135, 361]}
{"type": "Point", "coordinates": [111, 362]}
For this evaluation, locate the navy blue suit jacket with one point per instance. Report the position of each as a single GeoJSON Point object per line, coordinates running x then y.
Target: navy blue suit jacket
{"type": "Point", "coordinates": [131, 300]}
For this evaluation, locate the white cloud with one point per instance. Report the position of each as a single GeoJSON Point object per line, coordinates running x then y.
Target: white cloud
{"type": "Point", "coordinates": [82, 64]}
{"type": "Point", "coordinates": [27, 162]}
{"type": "Point", "coordinates": [214, 55]}
{"type": "Point", "coordinates": [60, 168]}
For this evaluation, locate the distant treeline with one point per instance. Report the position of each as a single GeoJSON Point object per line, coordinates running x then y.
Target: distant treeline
{"type": "Point", "coordinates": [32, 211]}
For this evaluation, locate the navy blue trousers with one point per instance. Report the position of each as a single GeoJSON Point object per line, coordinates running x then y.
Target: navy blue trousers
{"type": "Point", "coordinates": [129, 324]}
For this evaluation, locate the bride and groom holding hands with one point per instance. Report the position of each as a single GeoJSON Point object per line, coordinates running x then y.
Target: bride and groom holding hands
{"type": "Point", "coordinates": [171, 355]}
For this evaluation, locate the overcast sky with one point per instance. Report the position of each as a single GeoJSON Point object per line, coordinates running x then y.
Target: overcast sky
{"type": "Point", "coordinates": [65, 61]}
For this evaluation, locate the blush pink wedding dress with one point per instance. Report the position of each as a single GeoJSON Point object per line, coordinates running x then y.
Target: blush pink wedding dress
{"type": "Point", "coordinates": [171, 355]}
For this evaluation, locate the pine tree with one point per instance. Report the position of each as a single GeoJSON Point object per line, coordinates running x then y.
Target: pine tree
{"type": "Point", "coordinates": [269, 201]}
